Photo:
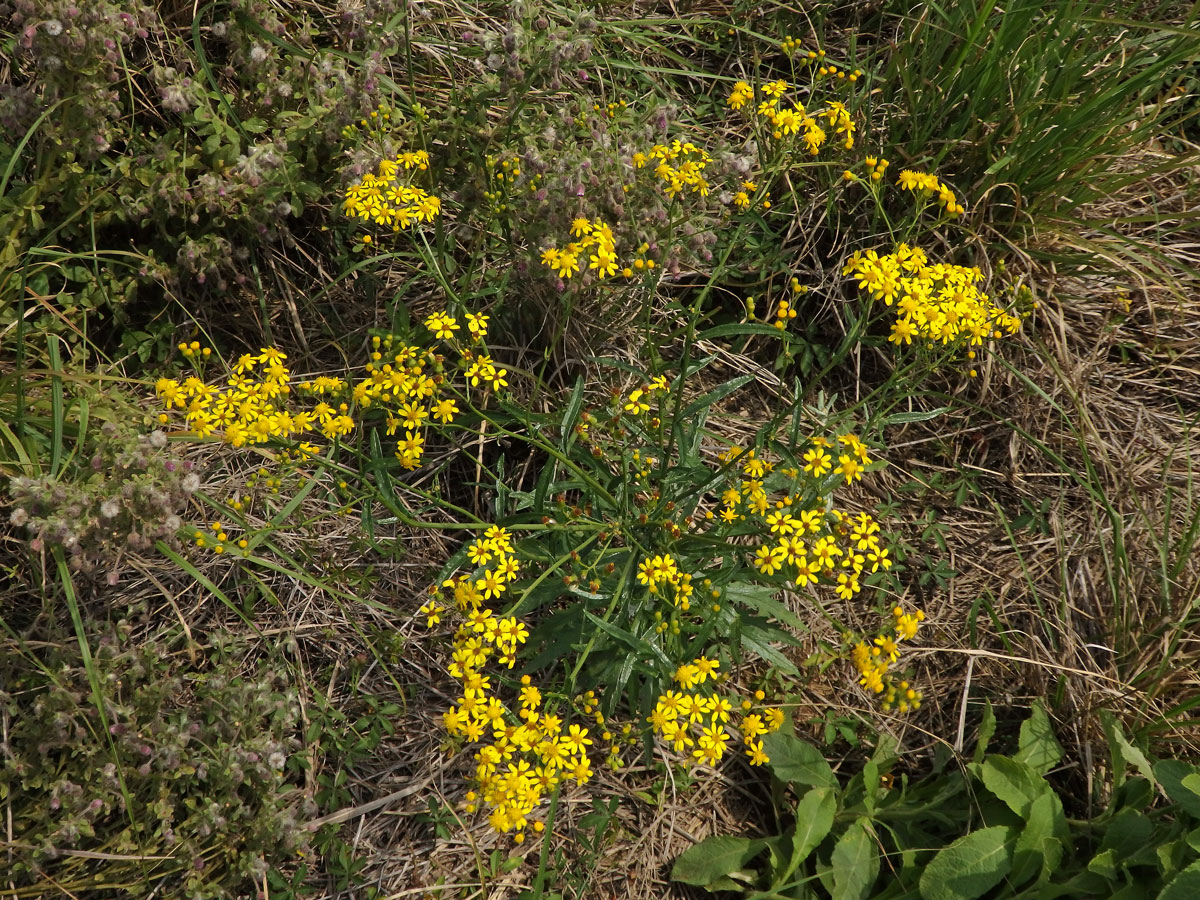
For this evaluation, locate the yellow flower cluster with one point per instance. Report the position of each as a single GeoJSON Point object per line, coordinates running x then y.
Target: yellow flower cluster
{"type": "Point", "coordinates": [808, 544]}
{"type": "Point", "coordinates": [698, 722]}
{"type": "Point", "coordinates": [595, 245]}
{"type": "Point", "coordinates": [927, 184]}
{"type": "Point", "coordinates": [680, 165]}
{"type": "Point", "coordinates": [218, 540]}
{"type": "Point", "coordinates": [407, 394]}
{"type": "Point", "coordinates": [877, 166]}
{"type": "Point", "coordinates": [612, 109]}
{"type": "Point", "coordinates": [787, 122]}
{"type": "Point", "coordinates": [382, 198]}
{"type": "Point", "coordinates": [525, 751]}
{"type": "Point", "coordinates": [874, 661]}
{"type": "Point", "coordinates": [937, 302]}
{"type": "Point", "coordinates": [252, 406]}
{"type": "Point", "coordinates": [660, 574]}
{"type": "Point", "coordinates": [194, 349]}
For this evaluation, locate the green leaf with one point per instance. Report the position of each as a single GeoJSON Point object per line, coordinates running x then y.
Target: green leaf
{"type": "Point", "coordinates": [814, 819]}
{"type": "Point", "coordinates": [760, 598]}
{"type": "Point", "coordinates": [1127, 833]}
{"type": "Point", "coordinates": [854, 865]}
{"type": "Point", "coordinates": [574, 405]}
{"type": "Point", "coordinates": [1172, 774]}
{"type": "Point", "coordinates": [1104, 864]}
{"type": "Point", "coordinates": [757, 639]}
{"type": "Point", "coordinates": [909, 417]}
{"type": "Point", "coordinates": [1038, 851]}
{"type": "Point", "coordinates": [740, 330]}
{"type": "Point", "coordinates": [969, 867]}
{"type": "Point", "coordinates": [1184, 886]}
{"type": "Point", "coordinates": [715, 858]}
{"type": "Point", "coordinates": [883, 758]}
{"type": "Point", "coordinates": [1038, 747]}
{"type": "Point", "coordinates": [1013, 782]}
{"type": "Point", "coordinates": [705, 400]}
{"type": "Point", "coordinates": [797, 761]}
{"type": "Point", "coordinates": [1123, 752]}
{"type": "Point", "coordinates": [987, 728]}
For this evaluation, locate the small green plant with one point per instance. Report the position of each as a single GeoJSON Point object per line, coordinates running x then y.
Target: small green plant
{"type": "Point", "coordinates": [995, 826]}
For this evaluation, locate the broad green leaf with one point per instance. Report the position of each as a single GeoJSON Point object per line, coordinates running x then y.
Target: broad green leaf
{"type": "Point", "coordinates": [814, 819]}
{"type": "Point", "coordinates": [1171, 857]}
{"type": "Point", "coordinates": [854, 865]}
{"type": "Point", "coordinates": [1013, 782]}
{"type": "Point", "coordinates": [715, 858]}
{"type": "Point", "coordinates": [1038, 747]}
{"type": "Point", "coordinates": [1171, 774]}
{"type": "Point", "coordinates": [969, 867]}
{"type": "Point", "coordinates": [797, 761]}
{"type": "Point", "coordinates": [1104, 864]}
{"type": "Point", "coordinates": [1128, 832]}
{"type": "Point", "coordinates": [1184, 886]}
{"type": "Point", "coordinates": [1037, 851]}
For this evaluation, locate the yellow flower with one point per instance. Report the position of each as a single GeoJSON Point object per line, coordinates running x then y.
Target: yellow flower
{"type": "Point", "coordinates": [445, 411]}
{"type": "Point", "coordinates": [443, 326]}
{"type": "Point", "coordinates": [636, 404]}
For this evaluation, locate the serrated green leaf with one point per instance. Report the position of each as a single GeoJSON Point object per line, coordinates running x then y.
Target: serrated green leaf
{"type": "Point", "coordinates": [715, 858]}
{"type": "Point", "coordinates": [969, 867]}
{"type": "Point", "coordinates": [797, 761]}
{"type": "Point", "coordinates": [757, 639]}
{"type": "Point", "coordinates": [760, 598]}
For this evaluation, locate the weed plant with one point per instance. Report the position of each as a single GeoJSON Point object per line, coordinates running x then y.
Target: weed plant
{"type": "Point", "coordinates": [515, 253]}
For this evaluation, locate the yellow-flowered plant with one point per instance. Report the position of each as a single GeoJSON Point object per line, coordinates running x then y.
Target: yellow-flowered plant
{"type": "Point", "coordinates": [525, 750]}
{"type": "Point", "coordinates": [254, 405]}
{"type": "Point", "coordinates": [806, 542]}
{"type": "Point", "coordinates": [936, 303]}
{"type": "Point", "coordinates": [594, 250]}
{"type": "Point", "coordinates": [875, 661]}
{"type": "Point", "coordinates": [926, 185]}
{"type": "Point", "coordinates": [786, 121]}
{"type": "Point", "coordinates": [698, 720]}
{"type": "Point", "coordinates": [678, 166]}
{"type": "Point", "coordinates": [406, 386]}
{"type": "Point", "coordinates": [387, 197]}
